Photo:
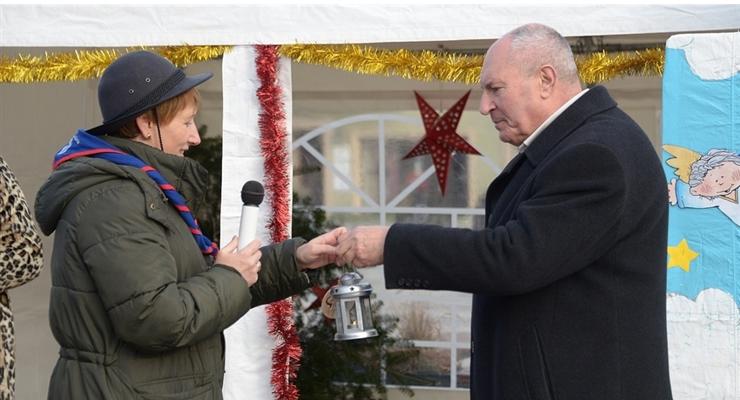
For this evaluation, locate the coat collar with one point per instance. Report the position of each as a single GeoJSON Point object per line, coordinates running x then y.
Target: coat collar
{"type": "Point", "coordinates": [185, 174]}
{"type": "Point", "coordinates": [595, 101]}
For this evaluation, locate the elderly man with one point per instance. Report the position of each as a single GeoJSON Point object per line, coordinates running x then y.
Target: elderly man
{"type": "Point", "coordinates": [568, 275]}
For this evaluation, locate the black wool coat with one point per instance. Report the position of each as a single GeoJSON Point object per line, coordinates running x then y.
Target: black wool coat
{"type": "Point", "coordinates": [569, 275]}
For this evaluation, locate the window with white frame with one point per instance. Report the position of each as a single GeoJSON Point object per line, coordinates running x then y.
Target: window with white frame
{"type": "Point", "coordinates": [349, 142]}
{"type": "Point", "coordinates": [375, 121]}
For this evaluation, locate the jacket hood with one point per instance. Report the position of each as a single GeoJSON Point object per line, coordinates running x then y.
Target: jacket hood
{"type": "Point", "coordinates": [78, 175]}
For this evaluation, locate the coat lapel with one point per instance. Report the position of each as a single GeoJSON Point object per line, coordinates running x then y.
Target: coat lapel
{"type": "Point", "coordinates": [512, 177]}
{"type": "Point", "coordinates": [595, 101]}
{"type": "Point", "coordinates": [496, 188]}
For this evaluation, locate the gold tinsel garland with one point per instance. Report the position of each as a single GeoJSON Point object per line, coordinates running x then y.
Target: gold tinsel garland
{"type": "Point", "coordinates": [601, 66]}
{"type": "Point", "coordinates": [427, 65]}
{"type": "Point", "coordinates": [86, 64]}
{"type": "Point", "coordinates": [423, 65]}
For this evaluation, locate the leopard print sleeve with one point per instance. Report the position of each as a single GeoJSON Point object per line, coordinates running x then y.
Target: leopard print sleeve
{"type": "Point", "coordinates": [20, 242]}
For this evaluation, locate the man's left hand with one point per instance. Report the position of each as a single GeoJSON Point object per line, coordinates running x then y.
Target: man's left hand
{"type": "Point", "coordinates": [362, 246]}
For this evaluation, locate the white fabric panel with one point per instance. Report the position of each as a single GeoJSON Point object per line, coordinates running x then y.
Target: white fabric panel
{"type": "Point", "coordinates": [130, 25]}
{"type": "Point", "coordinates": [248, 344]}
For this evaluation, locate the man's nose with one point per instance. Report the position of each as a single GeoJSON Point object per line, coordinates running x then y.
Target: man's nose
{"type": "Point", "coordinates": [486, 105]}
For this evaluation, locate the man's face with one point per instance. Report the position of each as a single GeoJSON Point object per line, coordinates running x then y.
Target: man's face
{"type": "Point", "coordinates": [509, 98]}
{"type": "Point", "coordinates": [719, 181]}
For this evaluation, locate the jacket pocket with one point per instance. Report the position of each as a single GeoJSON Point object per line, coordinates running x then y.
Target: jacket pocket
{"type": "Point", "coordinates": [534, 366]}
{"type": "Point", "coordinates": [191, 387]}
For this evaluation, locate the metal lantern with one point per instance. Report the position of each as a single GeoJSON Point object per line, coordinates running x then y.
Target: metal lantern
{"type": "Point", "coordinates": [352, 308]}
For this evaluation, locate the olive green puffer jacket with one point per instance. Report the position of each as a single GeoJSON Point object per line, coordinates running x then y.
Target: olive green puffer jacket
{"type": "Point", "coordinates": [136, 308]}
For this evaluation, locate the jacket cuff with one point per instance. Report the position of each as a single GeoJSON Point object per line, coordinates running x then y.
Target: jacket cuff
{"type": "Point", "coordinates": [296, 242]}
{"type": "Point", "coordinates": [232, 288]}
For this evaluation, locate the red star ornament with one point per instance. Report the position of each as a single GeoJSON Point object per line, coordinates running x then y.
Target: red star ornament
{"type": "Point", "coordinates": [441, 139]}
{"type": "Point", "coordinates": [320, 292]}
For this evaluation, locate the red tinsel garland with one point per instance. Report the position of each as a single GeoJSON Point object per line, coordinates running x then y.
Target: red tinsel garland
{"type": "Point", "coordinates": [273, 136]}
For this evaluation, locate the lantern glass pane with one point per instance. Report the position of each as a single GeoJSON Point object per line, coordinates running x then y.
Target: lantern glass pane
{"type": "Point", "coordinates": [339, 314]}
{"type": "Point", "coordinates": [367, 317]}
{"type": "Point", "coordinates": [351, 312]}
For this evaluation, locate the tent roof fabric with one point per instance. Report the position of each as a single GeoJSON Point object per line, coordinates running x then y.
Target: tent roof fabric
{"type": "Point", "coordinates": [160, 25]}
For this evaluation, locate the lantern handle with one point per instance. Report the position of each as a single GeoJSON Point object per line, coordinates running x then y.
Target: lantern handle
{"type": "Point", "coordinates": [349, 268]}
{"type": "Point", "coordinates": [350, 278]}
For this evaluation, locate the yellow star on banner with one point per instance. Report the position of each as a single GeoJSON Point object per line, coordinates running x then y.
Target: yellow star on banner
{"type": "Point", "coordinates": [681, 256]}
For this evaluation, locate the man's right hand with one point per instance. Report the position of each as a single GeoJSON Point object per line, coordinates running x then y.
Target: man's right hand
{"type": "Point", "coordinates": [246, 260]}
{"type": "Point", "coordinates": [363, 246]}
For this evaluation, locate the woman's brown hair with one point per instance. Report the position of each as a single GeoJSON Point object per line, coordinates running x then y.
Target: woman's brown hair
{"type": "Point", "coordinates": [166, 111]}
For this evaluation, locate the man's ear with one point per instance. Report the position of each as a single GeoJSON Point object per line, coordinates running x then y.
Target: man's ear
{"type": "Point", "coordinates": [547, 77]}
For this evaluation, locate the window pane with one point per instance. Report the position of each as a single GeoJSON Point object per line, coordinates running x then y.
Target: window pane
{"type": "Point", "coordinates": [432, 368]}
{"type": "Point", "coordinates": [350, 140]}
{"type": "Point", "coordinates": [420, 218]}
{"type": "Point", "coordinates": [352, 219]}
{"type": "Point", "coordinates": [463, 368]}
{"type": "Point", "coordinates": [423, 321]}
{"type": "Point", "coordinates": [470, 221]}
{"type": "Point", "coordinates": [462, 325]}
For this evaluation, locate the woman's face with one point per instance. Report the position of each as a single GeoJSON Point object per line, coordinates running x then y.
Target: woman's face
{"type": "Point", "coordinates": [181, 133]}
{"type": "Point", "coordinates": [178, 135]}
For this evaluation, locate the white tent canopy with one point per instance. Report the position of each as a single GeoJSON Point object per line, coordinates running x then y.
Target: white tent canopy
{"type": "Point", "coordinates": [80, 26]}
{"type": "Point", "coordinates": [120, 25]}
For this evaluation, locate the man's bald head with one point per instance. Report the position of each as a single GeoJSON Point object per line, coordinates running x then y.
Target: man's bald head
{"type": "Point", "coordinates": [527, 75]}
{"type": "Point", "coordinates": [534, 45]}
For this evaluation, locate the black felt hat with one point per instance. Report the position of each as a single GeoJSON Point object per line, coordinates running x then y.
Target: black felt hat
{"type": "Point", "coordinates": [136, 82]}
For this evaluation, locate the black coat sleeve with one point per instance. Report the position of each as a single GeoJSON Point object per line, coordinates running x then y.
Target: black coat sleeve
{"type": "Point", "coordinates": [567, 218]}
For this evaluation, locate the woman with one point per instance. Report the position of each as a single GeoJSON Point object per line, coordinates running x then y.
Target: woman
{"type": "Point", "coordinates": [137, 305]}
{"type": "Point", "coordinates": [20, 261]}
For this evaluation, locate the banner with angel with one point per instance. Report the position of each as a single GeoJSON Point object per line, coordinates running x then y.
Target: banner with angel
{"type": "Point", "coordinates": [701, 154]}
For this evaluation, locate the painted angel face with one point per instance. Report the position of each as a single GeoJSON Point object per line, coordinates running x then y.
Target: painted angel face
{"type": "Point", "coordinates": [719, 181]}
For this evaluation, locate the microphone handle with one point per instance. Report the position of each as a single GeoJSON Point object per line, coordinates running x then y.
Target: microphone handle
{"type": "Point", "coordinates": [247, 225]}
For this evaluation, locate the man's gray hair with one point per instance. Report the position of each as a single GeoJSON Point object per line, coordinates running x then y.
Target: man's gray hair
{"type": "Point", "coordinates": [535, 45]}
{"type": "Point", "coordinates": [713, 159]}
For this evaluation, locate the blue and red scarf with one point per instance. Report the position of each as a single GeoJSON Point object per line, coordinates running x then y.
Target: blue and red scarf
{"type": "Point", "coordinates": [84, 144]}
